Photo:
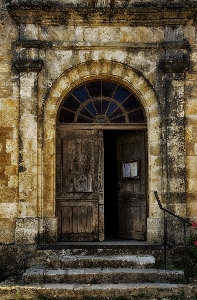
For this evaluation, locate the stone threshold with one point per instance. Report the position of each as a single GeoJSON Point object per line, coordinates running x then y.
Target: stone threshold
{"type": "Point", "coordinates": [107, 244]}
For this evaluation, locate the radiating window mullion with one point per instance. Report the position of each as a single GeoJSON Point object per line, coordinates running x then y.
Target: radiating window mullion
{"type": "Point", "coordinates": [85, 117]}
{"type": "Point", "coordinates": [76, 98]}
{"type": "Point", "coordinates": [89, 112]}
{"type": "Point", "coordinates": [108, 107]}
{"type": "Point", "coordinates": [65, 108]}
{"type": "Point", "coordinates": [95, 108]}
{"type": "Point", "coordinates": [87, 91]}
{"type": "Point", "coordinates": [115, 91]}
{"type": "Point", "coordinates": [139, 108]}
{"type": "Point", "coordinates": [126, 99]}
{"type": "Point", "coordinates": [117, 117]}
{"type": "Point", "coordinates": [115, 109]}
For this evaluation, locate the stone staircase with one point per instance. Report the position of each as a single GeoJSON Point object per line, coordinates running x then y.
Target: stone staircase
{"type": "Point", "coordinates": [60, 274]}
{"type": "Point", "coordinates": [100, 269]}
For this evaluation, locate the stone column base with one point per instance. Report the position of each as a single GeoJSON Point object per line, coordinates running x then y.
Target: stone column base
{"type": "Point", "coordinates": [32, 230]}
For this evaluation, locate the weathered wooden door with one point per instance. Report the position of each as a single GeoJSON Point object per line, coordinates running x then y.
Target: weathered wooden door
{"type": "Point", "coordinates": [79, 191]}
{"type": "Point", "coordinates": [132, 187]}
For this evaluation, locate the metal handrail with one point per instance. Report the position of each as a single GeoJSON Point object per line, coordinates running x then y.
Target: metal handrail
{"type": "Point", "coordinates": [185, 221]}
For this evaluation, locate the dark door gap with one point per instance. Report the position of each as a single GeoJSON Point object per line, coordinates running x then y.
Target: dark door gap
{"type": "Point", "coordinates": [110, 184]}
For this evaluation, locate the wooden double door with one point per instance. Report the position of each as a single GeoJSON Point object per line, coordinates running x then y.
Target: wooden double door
{"type": "Point", "coordinates": [101, 184]}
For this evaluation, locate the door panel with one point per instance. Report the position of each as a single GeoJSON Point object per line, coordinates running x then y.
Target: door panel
{"type": "Point", "coordinates": [79, 185]}
{"type": "Point", "coordinates": [132, 191]}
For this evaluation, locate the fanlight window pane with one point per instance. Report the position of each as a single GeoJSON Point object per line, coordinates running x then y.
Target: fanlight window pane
{"type": "Point", "coordinates": [66, 115]}
{"type": "Point", "coordinates": [81, 94]}
{"type": "Point", "coordinates": [136, 117]}
{"type": "Point", "coordinates": [101, 102]}
{"type": "Point", "coordinates": [121, 94]}
{"type": "Point", "coordinates": [105, 105]}
{"type": "Point", "coordinates": [116, 113]}
{"type": "Point", "coordinates": [91, 108]}
{"type": "Point", "coordinates": [131, 103]}
{"type": "Point", "coordinates": [108, 89]}
{"type": "Point", "coordinates": [97, 105]}
{"type": "Point", "coordinates": [85, 113]}
{"type": "Point", "coordinates": [111, 108]}
{"type": "Point", "coordinates": [82, 119]}
{"type": "Point", "coordinates": [120, 119]}
{"type": "Point", "coordinates": [71, 103]}
{"type": "Point", "coordinates": [94, 88]}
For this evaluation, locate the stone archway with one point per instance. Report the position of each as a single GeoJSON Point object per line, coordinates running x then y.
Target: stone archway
{"type": "Point", "coordinates": [130, 78]}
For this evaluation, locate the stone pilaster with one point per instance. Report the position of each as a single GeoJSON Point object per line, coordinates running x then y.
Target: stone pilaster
{"type": "Point", "coordinates": [174, 65]}
{"type": "Point", "coordinates": [28, 150]}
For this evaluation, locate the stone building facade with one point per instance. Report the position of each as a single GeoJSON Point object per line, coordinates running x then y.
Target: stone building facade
{"type": "Point", "coordinates": [88, 91]}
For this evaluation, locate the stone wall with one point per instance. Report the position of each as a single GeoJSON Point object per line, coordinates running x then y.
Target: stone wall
{"type": "Point", "coordinates": [46, 52]}
{"type": "Point", "coordinates": [9, 105]}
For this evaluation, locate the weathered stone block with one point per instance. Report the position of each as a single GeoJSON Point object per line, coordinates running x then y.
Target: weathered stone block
{"type": "Point", "coordinates": [153, 234]}
{"type": "Point", "coordinates": [13, 181]}
{"type": "Point", "coordinates": [7, 234]}
{"type": "Point", "coordinates": [8, 209]}
{"type": "Point", "coordinates": [35, 230]}
{"type": "Point", "coordinates": [6, 132]}
{"type": "Point", "coordinates": [141, 34]}
{"type": "Point", "coordinates": [8, 195]}
{"type": "Point", "coordinates": [192, 211]}
{"type": "Point", "coordinates": [191, 148]}
{"type": "Point", "coordinates": [191, 198]}
{"type": "Point", "coordinates": [191, 185]}
{"type": "Point", "coordinates": [26, 230]}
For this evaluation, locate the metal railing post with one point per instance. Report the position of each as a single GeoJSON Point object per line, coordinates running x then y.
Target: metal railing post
{"type": "Point", "coordinates": [165, 240]}
{"type": "Point", "coordinates": [185, 255]}
{"type": "Point", "coordinates": [184, 222]}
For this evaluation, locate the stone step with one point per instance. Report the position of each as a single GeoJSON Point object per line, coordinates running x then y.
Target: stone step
{"type": "Point", "coordinates": [109, 291]}
{"type": "Point", "coordinates": [113, 261]}
{"type": "Point", "coordinates": [100, 275]}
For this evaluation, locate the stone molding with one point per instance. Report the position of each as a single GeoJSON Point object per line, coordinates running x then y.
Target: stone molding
{"type": "Point", "coordinates": [28, 65]}
{"type": "Point", "coordinates": [90, 70]}
{"type": "Point", "coordinates": [173, 45]}
{"type": "Point", "coordinates": [49, 14]}
{"type": "Point", "coordinates": [34, 44]}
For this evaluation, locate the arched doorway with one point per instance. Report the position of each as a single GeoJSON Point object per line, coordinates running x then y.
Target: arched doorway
{"type": "Point", "coordinates": [101, 164]}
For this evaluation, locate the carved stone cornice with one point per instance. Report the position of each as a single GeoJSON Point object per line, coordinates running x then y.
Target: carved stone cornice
{"type": "Point", "coordinates": [84, 16]}
{"type": "Point", "coordinates": [22, 65]}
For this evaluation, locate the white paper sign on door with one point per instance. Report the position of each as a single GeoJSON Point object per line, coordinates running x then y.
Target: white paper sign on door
{"type": "Point", "coordinates": [130, 169]}
{"type": "Point", "coordinates": [126, 170]}
{"type": "Point", "coordinates": [134, 169]}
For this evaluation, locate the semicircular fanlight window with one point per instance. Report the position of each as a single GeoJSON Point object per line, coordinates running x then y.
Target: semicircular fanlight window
{"type": "Point", "coordinates": [101, 102]}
